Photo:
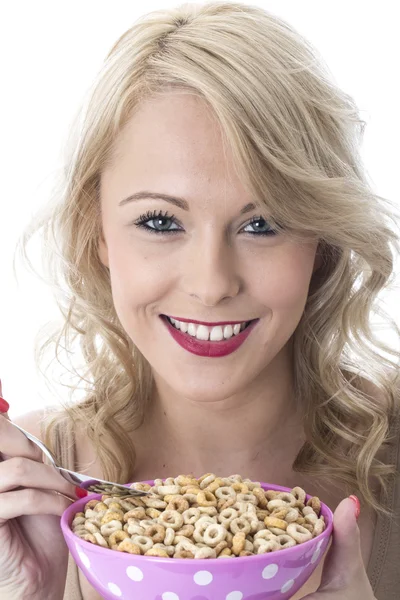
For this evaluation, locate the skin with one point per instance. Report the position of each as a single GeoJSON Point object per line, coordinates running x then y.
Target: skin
{"type": "Point", "coordinates": [242, 403]}
{"type": "Point", "coordinates": [207, 413]}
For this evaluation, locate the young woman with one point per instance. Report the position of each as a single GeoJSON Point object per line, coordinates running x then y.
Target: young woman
{"type": "Point", "coordinates": [219, 253]}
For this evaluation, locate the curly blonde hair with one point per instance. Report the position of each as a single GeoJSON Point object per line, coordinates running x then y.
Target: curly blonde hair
{"type": "Point", "coordinates": [293, 132]}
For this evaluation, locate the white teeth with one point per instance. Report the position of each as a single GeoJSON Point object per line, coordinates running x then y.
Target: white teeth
{"type": "Point", "coordinates": [214, 334]}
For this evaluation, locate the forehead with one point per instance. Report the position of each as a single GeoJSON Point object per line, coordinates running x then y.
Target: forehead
{"type": "Point", "coordinates": [173, 144]}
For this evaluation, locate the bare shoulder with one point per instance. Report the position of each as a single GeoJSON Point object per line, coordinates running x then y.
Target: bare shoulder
{"type": "Point", "coordinates": [32, 421]}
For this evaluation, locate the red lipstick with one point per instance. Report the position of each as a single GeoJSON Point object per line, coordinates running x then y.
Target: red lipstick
{"type": "Point", "coordinates": [207, 348]}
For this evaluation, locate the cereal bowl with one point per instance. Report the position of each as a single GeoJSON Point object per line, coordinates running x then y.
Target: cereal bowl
{"type": "Point", "coordinates": [270, 576]}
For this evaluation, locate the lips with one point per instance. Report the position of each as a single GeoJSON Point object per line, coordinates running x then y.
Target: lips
{"type": "Point", "coordinates": [206, 347]}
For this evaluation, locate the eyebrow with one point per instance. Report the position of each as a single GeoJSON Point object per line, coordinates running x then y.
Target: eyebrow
{"type": "Point", "coordinates": [180, 202]}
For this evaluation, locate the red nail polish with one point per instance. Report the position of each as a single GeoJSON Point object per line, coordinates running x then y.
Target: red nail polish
{"type": "Point", "coordinates": [4, 406]}
{"type": "Point", "coordinates": [357, 503]}
{"type": "Point", "coordinates": [80, 492]}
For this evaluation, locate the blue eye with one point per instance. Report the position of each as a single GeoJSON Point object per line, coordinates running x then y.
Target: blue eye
{"type": "Point", "coordinates": [161, 222]}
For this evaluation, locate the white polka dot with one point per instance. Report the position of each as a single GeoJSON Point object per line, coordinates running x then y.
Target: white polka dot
{"type": "Point", "coordinates": [234, 596]}
{"type": "Point", "coordinates": [114, 589]}
{"type": "Point", "coordinates": [170, 596]}
{"type": "Point", "coordinates": [84, 559]}
{"type": "Point", "coordinates": [286, 587]}
{"type": "Point", "coordinates": [315, 555]}
{"type": "Point", "coordinates": [134, 573]}
{"type": "Point", "coordinates": [320, 544]}
{"type": "Point", "coordinates": [203, 577]}
{"type": "Point", "coordinates": [270, 571]}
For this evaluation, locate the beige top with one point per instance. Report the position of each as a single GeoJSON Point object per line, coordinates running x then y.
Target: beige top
{"type": "Point", "coordinates": [384, 564]}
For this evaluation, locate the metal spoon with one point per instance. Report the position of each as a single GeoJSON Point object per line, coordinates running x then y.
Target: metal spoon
{"type": "Point", "coordinates": [91, 484]}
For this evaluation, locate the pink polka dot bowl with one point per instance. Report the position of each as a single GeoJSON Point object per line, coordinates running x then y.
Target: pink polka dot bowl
{"type": "Point", "coordinates": [275, 575]}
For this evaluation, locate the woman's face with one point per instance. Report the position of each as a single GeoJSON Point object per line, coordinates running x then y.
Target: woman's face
{"type": "Point", "coordinates": [213, 266]}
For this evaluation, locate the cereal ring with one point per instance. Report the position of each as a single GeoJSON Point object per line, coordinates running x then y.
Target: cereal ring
{"type": "Point", "coordinates": [299, 494]}
{"type": "Point", "coordinates": [171, 518]}
{"type": "Point", "coordinates": [90, 504]}
{"type": "Point", "coordinates": [287, 497]}
{"type": "Point", "coordinates": [311, 518]}
{"type": "Point", "coordinates": [157, 552]}
{"type": "Point", "coordinates": [204, 480]}
{"type": "Point", "coordinates": [183, 480]}
{"type": "Point", "coordinates": [227, 515]}
{"type": "Point", "coordinates": [117, 537]}
{"type": "Point", "coordinates": [274, 522]}
{"type": "Point", "coordinates": [165, 490]}
{"type": "Point", "coordinates": [208, 510]}
{"type": "Point", "coordinates": [238, 542]}
{"type": "Point", "coordinates": [111, 516]}
{"type": "Point", "coordinates": [100, 541]}
{"type": "Point", "coordinates": [315, 504]}
{"type": "Point", "coordinates": [169, 481]}
{"type": "Point", "coordinates": [205, 552]}
{"type": "Point", "coordinates": [91, 527]}
{"type": "Point", "coordinates": [155, 503]}
{"type": "Point", "coordinates": [135, 513]}
{"type": "Point", "coordinates": [226, 553]}
{"type": "Point", "coordinates": [292, 515]}
{"type": "Point", "coordinates": [271, 494]}
{"type": "Point", "coordinates": [276, 503]}
{"type": "Point", "coordinates": [198, 534]}
{"type": "Point", "coordinates": [263, 546]}
{"type": "Point", "coordinates": [214, 534]}
{"type": "Point", "coordinates": [259, 493]}
{"type": "Point", "coordinates": [246, 553]}
{"type": "Point", "coordinates": [178, 503]}
{"type": "Point", "coordinates": [109, 528]}
{"type": "Point", "coordinates": [186, 531]}
{"type": "Point", "coordinates": [249, 498]}
{"type": "Point", "coordinates": [277, 530]}
{"type": "Point", "coordinates": [225, 492]}
{"type": "Point", "coordinates": [261, 514]}
{"type": "Point", "coordinates": [252, 484]}
{"type": "Point", "coordinates": [264, 534]}
{"type": "Point", "coordinates": [222, 504]}
{"type": "Point", "coordinates": [186, 544]}
{"type": "Point", "coordinates": [205, 498]}
{"type": "Point", "coordinates": [240, 487]}
{"type": "Point", "coordinates": [156, 532]}
{"type": "Point", "coordinates": [127, 545]}
{"type": "Point", "coordinates": [319, 527]}
{"type": "Point", "coordinates": [215, 485]}
{"type": "Point", "coordinates": [280, 513]}
{"type": "Point", "coordinates": [169, 536]}
{"type": "Point", "coordinates": [153, 513]}
{"type": "Point", "coordinates": [245, 507]}
{"type": "Point", "coordinates": [134, 529]}
{"type": "Point", "coordinates": [285, 541]}
{"type": "Point", "coordinates": [221, 546]}
{"type": "Point", "coordinates": [298, 533]}
{"type": "Point", "coordinates": [240, 525]}
{"type": "Point", "coordinates": [183, 554]}
{"type": "Point", "coordinates": [88, 537]}
{"type": "Point", "coordinates": [146, 523]}
{"type": "Point", "coordinates": [143, 541]}
{"type": "Point", "coordinates": [191, 515]}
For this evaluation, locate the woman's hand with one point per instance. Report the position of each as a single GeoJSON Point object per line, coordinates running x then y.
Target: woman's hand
{"type": "Point", "coordinates": [33, 552]}
{"type": "Point", "coordinates": [344, 576]}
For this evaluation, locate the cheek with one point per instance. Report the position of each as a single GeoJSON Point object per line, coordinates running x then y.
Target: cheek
{"type": "Point", "coordinates": [138, 278]}
{"type": "Point", "coordinates": [282, 284]}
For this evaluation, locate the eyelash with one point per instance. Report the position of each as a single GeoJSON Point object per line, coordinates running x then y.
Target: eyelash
{"type": "Point", "coordinates": [152, 215]}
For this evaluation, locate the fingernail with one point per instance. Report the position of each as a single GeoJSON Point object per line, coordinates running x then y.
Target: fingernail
{"type": "Point", "coordinates": [4, 406]}
{"type": "Point", "coordinates": [357, 504]}
{"type": "Point", "coordinates": [80, 492]}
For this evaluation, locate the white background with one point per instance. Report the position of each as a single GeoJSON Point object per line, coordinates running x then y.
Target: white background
{"type": "Point", "coordinates": [50, 52]}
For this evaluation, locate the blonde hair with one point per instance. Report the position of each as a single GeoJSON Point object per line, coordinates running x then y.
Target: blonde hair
{"type": "Point", "coordinates": [295, 137]}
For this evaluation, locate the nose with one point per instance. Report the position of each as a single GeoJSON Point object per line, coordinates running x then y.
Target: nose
{"type": "Point", "coordinates": [210, 269]}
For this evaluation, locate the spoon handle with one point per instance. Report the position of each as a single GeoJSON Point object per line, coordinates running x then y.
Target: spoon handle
{"type": "Point", "coordinates": [38, 442]}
